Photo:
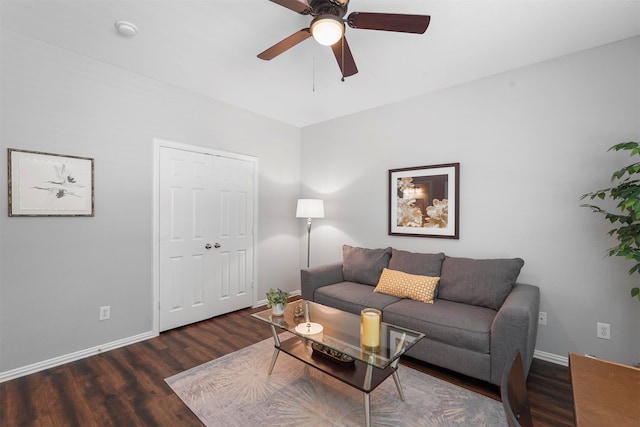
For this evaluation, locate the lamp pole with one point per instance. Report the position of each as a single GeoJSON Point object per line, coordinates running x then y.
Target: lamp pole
{"type": "Point", "coordinates": [309, 208]}
{"type": "Point", "coordinates": [308, 240]}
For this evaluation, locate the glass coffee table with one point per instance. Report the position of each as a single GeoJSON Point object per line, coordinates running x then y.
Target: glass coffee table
{"type": "Point", "coordinates": [336, 350]}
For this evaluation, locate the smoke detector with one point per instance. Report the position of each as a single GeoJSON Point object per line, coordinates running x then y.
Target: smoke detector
{"type": "Point", "coordinates": [126, 29]}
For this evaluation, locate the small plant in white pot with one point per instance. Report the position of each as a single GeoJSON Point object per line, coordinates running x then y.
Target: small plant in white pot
{"type": "Point", "coordinates": [277, 301]}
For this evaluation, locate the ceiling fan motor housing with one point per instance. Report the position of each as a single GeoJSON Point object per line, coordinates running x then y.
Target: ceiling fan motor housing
{"type": "Point", "coordinates": [328, 7]}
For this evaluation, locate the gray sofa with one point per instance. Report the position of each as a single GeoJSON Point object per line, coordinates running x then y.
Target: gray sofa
{"type": "Point", "coordinates": [480, 315]}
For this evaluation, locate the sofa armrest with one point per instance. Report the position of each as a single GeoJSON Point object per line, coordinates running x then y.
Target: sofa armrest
{"type": "Point", "coordinates": [515, 328]}
{"type": "Point", "coordinates": [316, 277]}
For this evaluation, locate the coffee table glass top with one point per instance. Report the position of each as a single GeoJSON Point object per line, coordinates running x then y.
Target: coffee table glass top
{"type": "Point", "coordinates": [341, 333]}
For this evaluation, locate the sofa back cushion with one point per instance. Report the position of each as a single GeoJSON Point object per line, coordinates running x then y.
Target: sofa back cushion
{"type": "Point", "coordinates": [415, 263]}
{"type": "Point", "coordinates": [481, 282]}
{"type": "Point", "coordinates": [363, 265]}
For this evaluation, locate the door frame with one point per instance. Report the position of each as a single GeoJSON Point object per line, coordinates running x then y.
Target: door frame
{"type": "Point", "coordinates": [157, 144]}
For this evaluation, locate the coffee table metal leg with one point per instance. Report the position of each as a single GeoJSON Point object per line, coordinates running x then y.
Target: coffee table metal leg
{"type": "Point", "coordinates": [276, 350]}
{"type": "Point", "coordinates": [394, 366]}
{"type": "Point", "coordinates": [396, 379]}
{"type": "Point", "coordinates": [367, 388]}
{"type": "Point", "coordinates": [367, 414]}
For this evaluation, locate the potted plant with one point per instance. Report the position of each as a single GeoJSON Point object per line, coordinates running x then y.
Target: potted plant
{"type": "Point", "coordinates": [626, 192]}
{"type": "Point", "coordinates": [277, 301]}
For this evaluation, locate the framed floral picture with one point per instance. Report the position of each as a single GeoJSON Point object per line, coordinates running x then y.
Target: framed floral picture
{"type": "Point", "coordinates": [424, 201]}
{"type": "Point", "coordinates": [45, 184]}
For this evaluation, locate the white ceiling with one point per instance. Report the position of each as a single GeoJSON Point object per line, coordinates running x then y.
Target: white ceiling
{"type": "Point", "coordinates": [210, 46]}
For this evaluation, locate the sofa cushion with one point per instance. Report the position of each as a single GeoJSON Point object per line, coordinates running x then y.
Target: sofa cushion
{"type": "Point", "coordinates": [352, 297]}
{"type": "Point", "coordinates": [481, 282]}
{"type": "Point", "coordinates": [405, 285]}
{"type": "Point", "coordinates": [362, 265]}
{"type": "Point", "coordinates": [460, 325]}
{"type": "Point", "coordinates": [415, 263]}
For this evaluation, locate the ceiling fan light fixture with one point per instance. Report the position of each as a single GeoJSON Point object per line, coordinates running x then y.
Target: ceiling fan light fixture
{"type": "Point", "coordinates": [327, 29]}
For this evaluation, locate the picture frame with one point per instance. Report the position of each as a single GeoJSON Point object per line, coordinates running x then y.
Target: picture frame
{"type": "Point", "coordinates": [47, 184]}
{"type": "Point", "coordinates": [424, 201]}
{"type": "Point", "coordinates": [398, 338]}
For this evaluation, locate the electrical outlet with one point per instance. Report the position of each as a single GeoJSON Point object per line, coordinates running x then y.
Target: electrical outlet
{"type": "Point", "coordinates": [105, 312]}
{"type": "Point", "coordinates": [604, 331]}
{"type": "Point", "coordinates": [542, 320]}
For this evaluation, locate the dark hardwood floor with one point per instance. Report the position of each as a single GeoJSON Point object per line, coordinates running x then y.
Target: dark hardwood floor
{"type": "Point", "coordinates": [125, 386]}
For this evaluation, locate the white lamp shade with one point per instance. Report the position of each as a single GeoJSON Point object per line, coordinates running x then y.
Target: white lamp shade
{"type": "Point", "coordinates": [310, 208]}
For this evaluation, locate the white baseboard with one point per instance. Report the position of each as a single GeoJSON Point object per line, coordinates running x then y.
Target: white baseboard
{"type": "Point", "coordinates": [550, 357]}
{"type": "Point", "coordinates": [71, 357]}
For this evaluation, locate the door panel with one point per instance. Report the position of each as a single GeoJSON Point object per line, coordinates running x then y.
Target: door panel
{"type": "Point", "coordinates": [185, 264]}
{"type": "Point", "coordinates": [233, 182]}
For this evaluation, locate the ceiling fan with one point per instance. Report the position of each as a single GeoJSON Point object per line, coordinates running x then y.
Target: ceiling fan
{"type": "Point", "coordinates": [327, 27]}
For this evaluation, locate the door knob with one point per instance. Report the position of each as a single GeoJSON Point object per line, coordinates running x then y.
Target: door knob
{"type": "Point", "coordinates": [217, 245]}
{"type": "Point", "coordinates": [207, 246]}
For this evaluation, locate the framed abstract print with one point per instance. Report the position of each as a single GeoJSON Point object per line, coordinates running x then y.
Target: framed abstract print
{"type": "Point", "coordinates": [424, 201]}
{"type": "Point", "coordinates": [45, 184]}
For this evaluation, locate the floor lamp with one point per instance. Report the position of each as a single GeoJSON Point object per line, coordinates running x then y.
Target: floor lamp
{"type": "Point", "coordinates": [309, 208]}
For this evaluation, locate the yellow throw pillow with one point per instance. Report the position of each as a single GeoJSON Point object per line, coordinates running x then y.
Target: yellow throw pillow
{"type": "Point", "coordinates": [405, 285]}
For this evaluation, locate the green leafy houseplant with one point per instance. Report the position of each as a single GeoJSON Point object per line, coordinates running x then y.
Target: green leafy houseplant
{"type": "Point", "coordinates": [277, 297]}
{"type": "Point", "coordinates": [626, 192]}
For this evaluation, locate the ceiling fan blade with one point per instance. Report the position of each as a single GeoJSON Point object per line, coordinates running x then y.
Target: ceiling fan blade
{"type": "Point", "coordinates": [416, 24]}
{"type": "Point", "coordinates": [344, 57]}
{"type": "Point", "coordinates": [285, 44]}
{"type": "Point", "coordinates": [300, 6]}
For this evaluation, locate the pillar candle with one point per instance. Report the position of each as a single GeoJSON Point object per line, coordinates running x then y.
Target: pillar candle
{"type": "Point", "coordinates": [370, 319]}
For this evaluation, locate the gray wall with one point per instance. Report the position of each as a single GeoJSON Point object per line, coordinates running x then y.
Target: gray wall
{"type": "Point", "coordinates": [57, 272]}
{"type": "Point", "coordinates": [529, 142]}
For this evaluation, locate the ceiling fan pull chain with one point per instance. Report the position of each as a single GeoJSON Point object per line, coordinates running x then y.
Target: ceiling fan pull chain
{"type": "Point", "coordinates": [342, 66]}
{"type": "Point", "coordinates": [313, 76]}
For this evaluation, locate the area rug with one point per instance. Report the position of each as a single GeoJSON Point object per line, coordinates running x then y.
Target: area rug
{"type": "Point", "coordinates": [235, 390]}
